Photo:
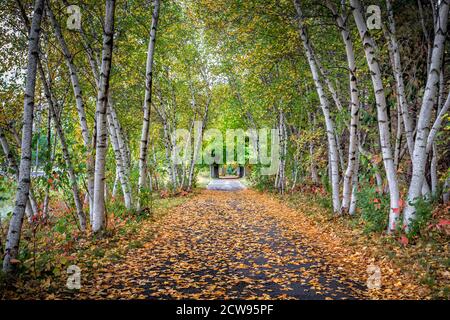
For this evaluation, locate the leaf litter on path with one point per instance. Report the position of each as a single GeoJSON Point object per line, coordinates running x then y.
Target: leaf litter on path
{"type": "Point", "coordinates": [224, 245]}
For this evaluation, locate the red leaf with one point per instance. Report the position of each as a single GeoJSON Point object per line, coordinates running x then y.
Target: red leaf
{"type": "Point", "coordinates": [404, 240]}
{"type": "Point", "coordinates": [396, 210]}
{"type": "Point", "coordinates": [443, 222]}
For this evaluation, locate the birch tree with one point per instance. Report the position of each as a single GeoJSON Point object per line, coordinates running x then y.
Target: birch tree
{"type": "Point", "coordinates": [341, 22]}
{"type": "Point", "coordinates": [23, 188]}
{"type": "Point", "coordinates": [99, 213]}
{"type": "Point", "coordinates": [382, 116]}
{"type": "Point", "coordinates": [429, 99]}
{"type": "Point", "coordinates": [123, 162]}
{"type": "Point", "coordinates": [120, 164]}
{"type": "Point", "coordinates": [53, 113]}
{"type": "Point", "coordinates": [72, 176]}
{"type": "Point", "coordinates": [398, 73]}
{"type": "Point", "coordinates": [75, 81]}
{"type": "Point", "coordinates": [143, 150]}
{"type": "Point", "coordinates": [324, 103]}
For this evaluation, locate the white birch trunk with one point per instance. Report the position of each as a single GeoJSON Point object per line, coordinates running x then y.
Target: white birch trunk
{"type": "Point", "coordinates": [355, 183]}
{"type": "Point", "coordinates": [72, 176]}
{"type": "Point", "coordinates": [23, 188]}
{"type": "Point", "coordinates": [332, 147]}
{"type": "Point", "coordinates": [433, 171]}
{"type": "Point", "coordinates": [100, 156]}
{"type": "Point", "coordinates": [121, 140]}
{"type": "Point", "coordinates": [74, 78]}
{"type": "Point", "coordinates": [437, 124]}
{"type": "Point", "coordinates": [429, 99]}
{"type": "Point", "coordinates": [446, 191]}
{"type": "Point", "coordinates": [197, 144]}
{"type": "Point", "coordinates": [398, 137]}
{"type": "Point", "coordinates": [116, 181]}
{"type": "Point", "coordinates": [123, 178]}
{"type": "Point", "coordinates": [354, 108]}
{"type": "Point", "coordinates": [398, 73]}
{"type": "Point", "coordinates": [143, 150]}
{"type": "Point", "coordinates": [330, 86]}
{"type": "Point", "coordinates": [383, 120]}
{"type": "Point", "coordinates": [46, 203]}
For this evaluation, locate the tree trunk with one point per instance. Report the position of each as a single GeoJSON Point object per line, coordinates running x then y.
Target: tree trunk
{"type": "Point", "coordinates": [446, 191]}
{"type": "Point", "coordinates": [398, 137]}
{"type": "Point", "coordinates": [102, 100]}
{"type": "Point", "coordinates": [197, 144]}
{"type": "Point", "coordinates": [155, 163]}
{"type": "Point", "coordinates": [355, 182]}
{"type": "Point", "coordinates": [382, 115]}
{"type": "Point", "coordinates": [23, 188]}
{"type": "Point", "coordinates": [116, 181]}
{"type": "Point", "coordinates": [143, 150]}
{"type": "Point", "coordinates": [46, 204]}
{"type": "Point", "coordinates": [354, 108]}
{"type": "Point", "coordinates": [281, 181]}
{"type": "Point", "coordinates": [74, 78]}
{"type": "Point", "coordinates": [437, 124]}
{"type": "Point", "coordinates": [398, 73]}
{"type": "Point", "coordinates": [332, 147]}
{"type": "Point", "coordinates": [121, 140]}
{"type": "Point", "coordinates": [65, 150]}
{"type": "Point", "coordinates": [433, 171]}
{"type": "Point", "coordinates": [120, 166]}
{"type": "Point", "coordinates": [419, 158]}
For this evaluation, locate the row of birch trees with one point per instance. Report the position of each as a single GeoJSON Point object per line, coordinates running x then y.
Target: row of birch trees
{"type": "Point", "coordinates": [350, 100]}
{"type": "Point", "coordinates": [89, 66]}
{"type": "Point", "coordinates": [345, 63]}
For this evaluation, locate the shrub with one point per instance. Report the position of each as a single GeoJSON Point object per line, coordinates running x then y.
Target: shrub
{"type": "Point", "coordinates": [374, 209]}
{"type": "Point", "coordinates": [424, 214]}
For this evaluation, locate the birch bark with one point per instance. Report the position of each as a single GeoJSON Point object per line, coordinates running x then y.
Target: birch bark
{"type": "Point", "coordinates": [382, 115]}
{"type": "Point", "coordinates": [332, 147]}
{"type": "Point", "coordinates": [120, 165]}
{"type": "Point", "coordinates": [74, 78]}
{"type": "Point", "coordinates": [72, 176]}
{"type": "Point", "coordinates": [143, 150]}
{"type": "Point", "coordinates": [99, 213]}
{"type": "Point", "coordinates": [398, 73]}
{"type": "Point", "coordinates": [23, 188]}
{"type": "Point", "coordinates": [354, 106]}
{"type": "Point", "coordinates": [429, 100]}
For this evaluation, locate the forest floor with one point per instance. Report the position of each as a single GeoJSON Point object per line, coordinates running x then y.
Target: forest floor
{"type": "Point", "coordinates": [225, 245]}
